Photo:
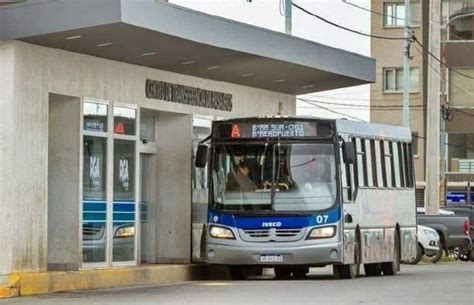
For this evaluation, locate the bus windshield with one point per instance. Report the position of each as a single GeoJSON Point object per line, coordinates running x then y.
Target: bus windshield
{"type": "Point", "coordinates": [280, 177]}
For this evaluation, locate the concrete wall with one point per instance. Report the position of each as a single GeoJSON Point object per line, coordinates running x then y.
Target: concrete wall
{"type": "Point", "coordinates": [38, 71]}
{"type": "Point", "coordinates": [64, 252]}
{"type": "Point", "coordinates": [389, 55]}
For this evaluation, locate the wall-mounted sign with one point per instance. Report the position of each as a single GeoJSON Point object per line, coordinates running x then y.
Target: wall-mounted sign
{"type": "Point", "coordinates": [188, 95]}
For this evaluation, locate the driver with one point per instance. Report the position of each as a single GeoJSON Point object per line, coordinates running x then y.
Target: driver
{"type": "Point", "coordinates": [239, 179]}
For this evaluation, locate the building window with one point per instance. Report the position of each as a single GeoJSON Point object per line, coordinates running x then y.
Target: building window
{"type": "Point", "coordinates": [395, 14]}
{"type": "Point", "coordinates": [393, 80]}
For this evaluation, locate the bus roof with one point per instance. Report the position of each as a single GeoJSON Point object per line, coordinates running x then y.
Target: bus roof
{"type": "Point", "coordinates": [373, 130]}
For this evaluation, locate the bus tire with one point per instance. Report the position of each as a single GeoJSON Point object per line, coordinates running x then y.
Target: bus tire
{"type": "Point", "coordinates": [350, 271]}
{"type": "Point", "coordinates": [391, 268]}
{"type": "Point", "coordinates": [282, 273]}
{"type": "Point", "coordinates": [237, 273]}
{"type": "Point", "coordinates": [299, 273]}
{"type": "Point", "coordinates": [419, 255]}
{"type": "Point", "coordinates": [372, 269]}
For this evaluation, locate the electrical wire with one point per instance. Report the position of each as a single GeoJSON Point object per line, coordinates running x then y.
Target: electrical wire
{"type": "Point", "coordinates": [386, 15]}
{"type": "Point", "coordinates": [444, 76]}
{"type": "Point", "coordinates": [439, 60]}
{"type": "Point", "coordinates": [388, 107]}
{"type": "Point", "coordinates": [333, 111]}
{"type": "Point", "coordinates": [360, 120]}
{"type": "Point", "coordinates": [343, 27]}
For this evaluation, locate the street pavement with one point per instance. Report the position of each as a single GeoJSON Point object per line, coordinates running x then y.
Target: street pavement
{"type": "Point", "coordinates": [446, 284]}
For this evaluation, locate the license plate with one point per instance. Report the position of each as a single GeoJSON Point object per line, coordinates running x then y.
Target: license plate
{"type": "Point", "coordinates": [271, 258]}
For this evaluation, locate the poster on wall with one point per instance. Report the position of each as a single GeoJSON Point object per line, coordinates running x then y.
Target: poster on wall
{"type": "Point", "coordinates": [124, 176]}
{"type": "Point", "coordinates": [94, 172]}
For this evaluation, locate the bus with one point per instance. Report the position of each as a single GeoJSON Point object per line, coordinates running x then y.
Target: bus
{"type": "Point", "coordinates": [291, 193]}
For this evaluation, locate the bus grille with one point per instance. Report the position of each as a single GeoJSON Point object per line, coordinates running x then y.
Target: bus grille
{"type": "Point", "coordinates": [263, 235]}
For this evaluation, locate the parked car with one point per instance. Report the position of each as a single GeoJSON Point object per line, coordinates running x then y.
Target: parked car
{"type": "Point", "coordinates": [453, 230]}
{"type": "Point", "coordinates": [428, 243]}
{"type": "Point", "coordinates": [465, 210]}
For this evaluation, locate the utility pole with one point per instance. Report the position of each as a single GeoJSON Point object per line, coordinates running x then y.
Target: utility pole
{"type": "Point", "coordinates": [406, 66]}
{"type": "Point", "coordinates": [433, 113]}
{"type": "Point", "coordinates": [288, 16]}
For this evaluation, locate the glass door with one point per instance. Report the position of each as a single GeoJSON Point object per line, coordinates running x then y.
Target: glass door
{"type": "Point", "coordinates": [109, 205]}
{"type": "Point", "coordinates": [94, 183]}
{"type": "Point", "coordinates": [147, 208]}
{"type": "Point", "coordinates": [124, 209]}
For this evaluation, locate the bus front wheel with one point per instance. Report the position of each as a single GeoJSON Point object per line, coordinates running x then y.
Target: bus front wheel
{"type": "Point", "coordinates": [350, 271]}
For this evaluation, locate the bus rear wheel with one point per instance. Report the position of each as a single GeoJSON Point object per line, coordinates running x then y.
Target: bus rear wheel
{"type": "Point", "coordinates": [373, 269]}
{"type": "Point", "coordinates": [391, 268]}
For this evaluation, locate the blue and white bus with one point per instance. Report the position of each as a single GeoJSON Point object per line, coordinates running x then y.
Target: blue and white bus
{"type": "Point", "coordinates": [294, 193]}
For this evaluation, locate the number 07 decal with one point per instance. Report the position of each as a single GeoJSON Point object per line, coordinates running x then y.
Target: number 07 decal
{"type": "Point", "coordinates": [322, 219]}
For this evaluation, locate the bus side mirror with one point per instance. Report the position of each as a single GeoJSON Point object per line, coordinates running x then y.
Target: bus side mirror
{"type": "Point", "coordinates": [349, 153]}
{"type": "Point", "coordinates": [201, 156]}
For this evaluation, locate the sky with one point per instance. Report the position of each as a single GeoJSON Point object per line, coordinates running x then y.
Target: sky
{"type": "Point", "coordinates": [266, 14]}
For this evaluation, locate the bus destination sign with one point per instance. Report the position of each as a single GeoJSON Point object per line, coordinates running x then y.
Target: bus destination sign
{"type": "Point", "coordinates": [280, 129]}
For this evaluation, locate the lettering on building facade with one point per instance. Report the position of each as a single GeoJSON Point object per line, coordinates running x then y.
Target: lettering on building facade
{"type": "Point", "coordinates": [188, 95]}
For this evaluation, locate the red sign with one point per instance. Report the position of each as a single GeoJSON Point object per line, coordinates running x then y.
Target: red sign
{"type": "Point", "coordinates": [235, 133]}
{"type": "Point", "coordinates": [119, 128]}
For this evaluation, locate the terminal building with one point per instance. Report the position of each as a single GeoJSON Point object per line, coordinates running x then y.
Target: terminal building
{"type": "Point", "coordinates": [102, 105]}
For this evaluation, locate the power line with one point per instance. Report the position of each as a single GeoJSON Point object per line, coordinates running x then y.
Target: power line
{"type": "Point", "coordinates": [343, 27]}
{"type": "Point", "coordinates": [439, 60]}
{"type": "Point", "coordinates": [387, 107]}
{"type": "Point", "coordinates": [385, 15]}
{"type": "Point", "coordinates": [335, 112]}
{"type": "Point", "coordinates": [444, 76]}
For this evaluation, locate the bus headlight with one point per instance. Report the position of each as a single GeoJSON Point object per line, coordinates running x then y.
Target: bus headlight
{"type": "Point", "coordinates": [324, 232]}
{"type": "Point", "coordinates": [221, 232]}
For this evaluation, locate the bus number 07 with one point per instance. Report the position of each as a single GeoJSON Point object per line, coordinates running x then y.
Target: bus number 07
{"type": "Point", "coordinates": [322, 218]}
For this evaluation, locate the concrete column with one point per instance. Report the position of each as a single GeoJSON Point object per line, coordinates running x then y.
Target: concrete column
{"type": "Point", "coordinates": [174, 158]}
{"type": "Point", "coordinates": [7, 219]}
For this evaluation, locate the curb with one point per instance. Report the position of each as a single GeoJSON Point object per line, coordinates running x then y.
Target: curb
{"type": "Point", "coordinates": [33, 283]}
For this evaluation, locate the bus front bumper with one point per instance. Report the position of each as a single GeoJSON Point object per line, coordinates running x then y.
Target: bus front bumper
{"type": "Point", "coordinates": [310, 255]}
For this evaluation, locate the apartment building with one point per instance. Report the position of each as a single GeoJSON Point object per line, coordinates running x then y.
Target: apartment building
{"type": "Point", "coordinates": [457, 87]}
{"type": "Point", "coordinates": [386, 93]}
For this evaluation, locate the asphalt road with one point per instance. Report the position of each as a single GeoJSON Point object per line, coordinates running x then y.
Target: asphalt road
{"type": "Point", "coordinates": [447, 284]}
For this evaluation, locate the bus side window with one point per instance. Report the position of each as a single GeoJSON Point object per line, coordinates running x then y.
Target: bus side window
{"type": "Point", "coordinates": [369, 160]}
{"type": "Point", "coordinates": [361, 162]}
{"type": "Point", "coordinates": [396, 164]}
{"type": "Point", "coordinates": [345, 178]}
{"type": "Point", "coordinates": [408, 164]}
{"type": "Point", "coordinates": [381, 182]}
{"type": "Point", "coordinates": [401, 156]}
{"type": "Point", "coordinates": [388, 163]}
{"type": "Point", "coordinates": [349, 179]}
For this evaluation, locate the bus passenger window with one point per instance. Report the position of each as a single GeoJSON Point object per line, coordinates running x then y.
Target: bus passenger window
{"type": "Point", "coordinates": [383, 163]}
{"type": "Point", "coordinates": [408, 164]}
{"type": "Point", "coordinates": [396, 165]}
{"type": "Point", "coordinates": [369, 163]}
{"type": "Point", "coordinates": [346, 178]}
{"type": "Point", "coordinates": [361, 162]}
{"type": "Point", "coordinates": [378, 164]}
{"type": "Point", "coordinates": [401, 155]}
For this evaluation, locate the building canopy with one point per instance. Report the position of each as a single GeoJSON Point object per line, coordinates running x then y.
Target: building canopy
{"type": "Point", "coordinates": [172, 38]}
